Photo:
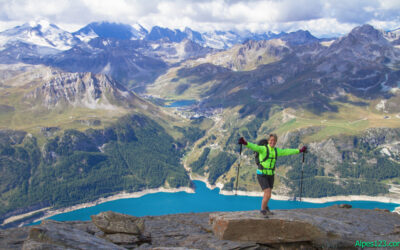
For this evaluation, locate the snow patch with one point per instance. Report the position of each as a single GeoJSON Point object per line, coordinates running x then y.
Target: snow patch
{"type": "Point", "coordinates": [125, 94]}
{"type": "Point", "coordinates": [381, 106]}
{"type": "Point", "coordinates": [155, 46]}
{"type": "Point", "coordinates": [87, 37]}
{"type": "Point", "coordinates": [327, 43]}
{"type": "Point", "coordinates": [42, 22]}
{"type": "Point", "coordinates": [107, 69]}
{"type": "Point", "coordinates": [384, 87]}
{"type": "Point", "coordinates": [278, 42]}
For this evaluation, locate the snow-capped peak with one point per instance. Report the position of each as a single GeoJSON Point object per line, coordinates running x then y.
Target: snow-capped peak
{"type": "Point", "coordinates": [41, 33]}
{"type": "Point", "coordinates": [111, 30]}
{"type": "Point", "coordinates": [43, 24]}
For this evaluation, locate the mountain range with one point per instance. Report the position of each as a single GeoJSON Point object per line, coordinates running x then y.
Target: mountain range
{"type": "Point", "coordinates": [363, 63]}
{"type": "Point", "coordinates": [44, 34]}
{"type": "Point", "coordinates": [130, 54]}
{"type": "Point", "coordinates": [82, 114]}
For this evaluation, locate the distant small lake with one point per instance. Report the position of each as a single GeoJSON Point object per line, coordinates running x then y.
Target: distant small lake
{"type": "Point", "coordinates": [181, 103]}
{"type": "Point", "coordinates": [203, 200]}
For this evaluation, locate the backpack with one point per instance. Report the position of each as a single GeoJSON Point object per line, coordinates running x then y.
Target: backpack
{"type": "Point", "coordinates": [263, 142]}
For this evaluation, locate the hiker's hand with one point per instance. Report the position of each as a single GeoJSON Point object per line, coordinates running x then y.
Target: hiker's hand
{"type": "Point", "coordinates": [242, 141]}
{"type": "Point", "coordinates": [303, 149]}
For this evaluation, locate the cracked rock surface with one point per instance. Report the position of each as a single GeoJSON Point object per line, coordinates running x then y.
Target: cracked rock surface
{"type": "Point", "coordinates": [315, 228]}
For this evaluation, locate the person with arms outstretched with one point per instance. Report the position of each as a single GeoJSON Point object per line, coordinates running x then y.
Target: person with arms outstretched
{"type": "Point", "coordinates": [267, 156]}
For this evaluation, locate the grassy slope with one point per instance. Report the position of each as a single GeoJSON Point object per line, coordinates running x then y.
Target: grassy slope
{"type": "Point", "coordinates": [18, 114]}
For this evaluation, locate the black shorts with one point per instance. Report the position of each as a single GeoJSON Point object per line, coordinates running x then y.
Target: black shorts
{"type": "Point", "coordinates": [265, 181]}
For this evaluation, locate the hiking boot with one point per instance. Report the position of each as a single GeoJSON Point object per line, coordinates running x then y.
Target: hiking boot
{"type": "Point", "coordinates": [263, 214]}
{"type": "Point", "coordinates": [268, 212]}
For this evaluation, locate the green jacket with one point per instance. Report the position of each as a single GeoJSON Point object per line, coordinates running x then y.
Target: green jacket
{"type": "Point", "coordinates": [269, 164]}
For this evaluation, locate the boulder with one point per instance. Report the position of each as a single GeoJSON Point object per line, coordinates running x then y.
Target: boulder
{"type": "Point", "coordinates": [331, 227]}
{"type": "Point", "coordinates": [13, 238]}
{"type": "Point", "coordinates": [110, 222]}
{"type": "Point", "coordinates": [382, 210]}
{"type": "Point", "coordinates": [58, 235]}
{"type": "Point", "coordinates": [344, 206]}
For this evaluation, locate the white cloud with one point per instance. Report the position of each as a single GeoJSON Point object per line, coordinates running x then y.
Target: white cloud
{"type": "Point", "coordinates": [319, 16]}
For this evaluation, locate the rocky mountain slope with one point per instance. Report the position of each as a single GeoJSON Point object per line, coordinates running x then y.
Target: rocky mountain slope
{"type": "Point", "coordinates": [37, 95]}
{"type": "Point", "coordinates": [363, 64]}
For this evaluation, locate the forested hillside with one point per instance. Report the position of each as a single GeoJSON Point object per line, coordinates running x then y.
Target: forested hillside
{"type": "Point", "coordinates": [133, 154]}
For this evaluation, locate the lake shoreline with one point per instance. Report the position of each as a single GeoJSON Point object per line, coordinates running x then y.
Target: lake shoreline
{"type": "Point", "coordinates": [118, 196]}
{"type": "Point", "coordinates": [383, 199]}
{"type": "Point", "coordinates": [344, 198]}
{"type": "Point", "coordinates": [49, 212]}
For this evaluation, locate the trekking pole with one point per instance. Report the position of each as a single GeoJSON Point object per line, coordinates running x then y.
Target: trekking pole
{"type": "Point", "coordinates": [301, 181]}
{"type": "Point", "coordinates": [237, 174]}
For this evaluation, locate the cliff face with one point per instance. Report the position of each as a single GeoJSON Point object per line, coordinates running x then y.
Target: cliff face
{"type": "Point", "coordinates": [329, 228]}
{"type": "Point", "coordinates": [94, 91]}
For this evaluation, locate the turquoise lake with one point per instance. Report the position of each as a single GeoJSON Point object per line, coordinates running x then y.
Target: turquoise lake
{"type": "Point", "coordinates": [203, 200]}
{"type": "Point", "coordinates": [181, 103]}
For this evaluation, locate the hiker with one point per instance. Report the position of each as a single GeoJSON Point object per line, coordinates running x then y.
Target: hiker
{"type": "Point", "coordinates": [267, 156]}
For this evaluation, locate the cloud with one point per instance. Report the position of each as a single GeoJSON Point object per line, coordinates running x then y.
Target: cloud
{"type": "Point", "coordinates": [321, 16]}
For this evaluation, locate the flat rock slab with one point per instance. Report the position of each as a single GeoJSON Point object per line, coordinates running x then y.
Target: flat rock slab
{"type": "Point", "coordinates": [187, 231]}
{"type": "Point", "coordinates": [321, 227]}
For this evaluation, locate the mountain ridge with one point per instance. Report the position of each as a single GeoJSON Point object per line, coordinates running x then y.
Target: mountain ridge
{"type": "Point", "coordinates": [214, 39]}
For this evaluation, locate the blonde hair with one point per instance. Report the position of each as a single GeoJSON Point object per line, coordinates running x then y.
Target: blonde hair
{"type": "Point", "coordinates": [273, 135]}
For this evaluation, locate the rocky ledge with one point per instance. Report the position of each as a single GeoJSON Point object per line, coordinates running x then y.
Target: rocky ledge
{"type": "Point", "coordinates": [321, 228]}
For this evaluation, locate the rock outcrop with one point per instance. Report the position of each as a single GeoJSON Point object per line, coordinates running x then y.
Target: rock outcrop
{"type": "Point", "coordinates": [123, 230]}
{"type": "Point", "coordinates": [331, 227]}
{"type": "Point", "coordinates": [320, 228]}
{"type": "Point", "coordinates": [110, 222]}
{"type": "Point", "coordinates": [58, 235]}
{"type": "Point", "coordinates": [118, 231]}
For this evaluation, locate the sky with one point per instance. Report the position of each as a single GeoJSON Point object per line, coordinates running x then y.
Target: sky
{"type": "Point", "coordinates": [321, 17]}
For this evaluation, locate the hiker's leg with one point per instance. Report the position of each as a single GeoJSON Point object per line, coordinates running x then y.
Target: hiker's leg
{"type": "Point", "coordinates": [266, 198]}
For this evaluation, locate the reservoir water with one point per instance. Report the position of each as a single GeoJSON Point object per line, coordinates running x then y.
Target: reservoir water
{"type": "Point", "coordinates": [181, 103]}
{"type": "Point", "coordinates": [203, 200]}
